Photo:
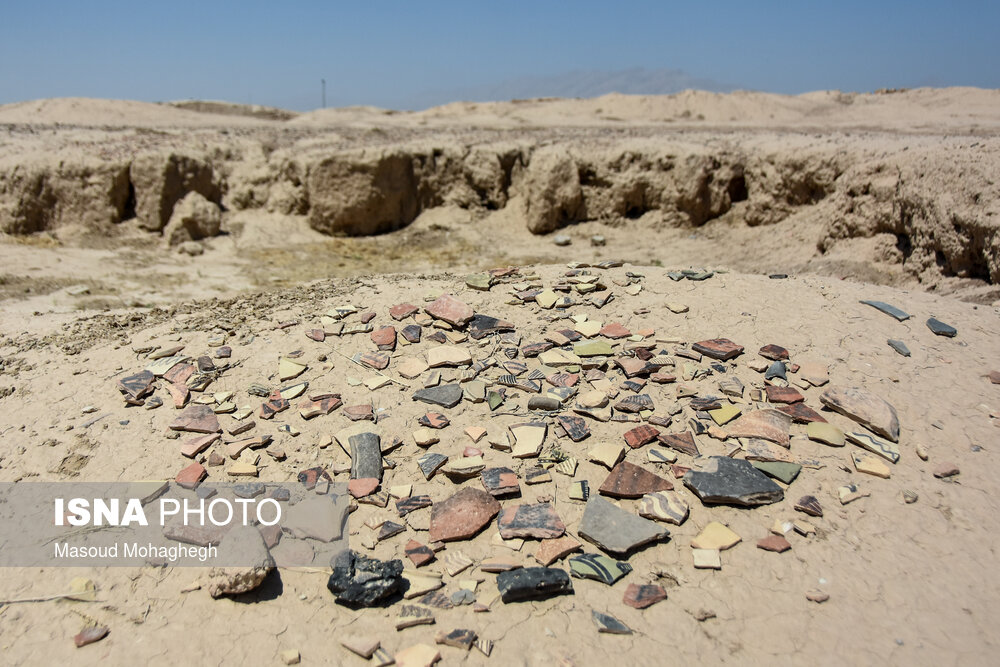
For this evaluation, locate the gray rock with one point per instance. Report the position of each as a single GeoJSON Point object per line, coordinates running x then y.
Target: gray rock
{"type": "Point", "coordinates": [940, 328]}
{"type": "Point", "coordinates": [864, 408]}
{"type": "Point", "coordinates": [562, 240]}
{"type": "Point", "coordinates": [544, 403]}
{"type": "Point", "coordinates": [242, 544]}
{"type": "Point", "coordinates": [899, 346]}
{"type": "Point", "coordinates": [193, 218]}
{"type": "Point", "coordinates": [888, 310]}
{"type": "Point", "coordinates": [597, 240]}
{"type": "Point", "coordinates": [614, 530]}
{"type": "Point", "coordinates": [447, 395]}
{"type": "Point", "coordinates": [364, 582]}
{"type": "Point", "coordinates": [532, 583]}
{"type": "Point", "coordinates": [366, 456]}
{"type": "Point", "coordinates": [732, 482]}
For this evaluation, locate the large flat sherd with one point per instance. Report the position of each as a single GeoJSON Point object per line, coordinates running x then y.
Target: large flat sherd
{"type": "Point", "coordinates": [366, 456]}
{"type": "Point", "coordinates": [887, 309]}
{"type": "Point", "coordinates": [463, 515]}
{"type": "Point", "coordinates": [887, 450]}
{"type": "Point", "coordinates": [765, 424]}
{"type": "Point", "coordinates": [940, 328]}
{"type": "Point", "coordinates": [865, 408]}
{"type": "Point", "coordinates": [615, 530]}
{"type": "Point", "coordinates": [718, 348]}
{"type": "Point", "coordinates": [729, 481]}
{"type": "Point", "coordinates": [447, 395]}
{"type": "Point", "coordinates": [532, 583]}
{"type": "Point", "coordinates": [451, 310]}
{"type": "Point", "coordinates": [627, 480]}
{"type": "Point", "coordinates": [539, 521]}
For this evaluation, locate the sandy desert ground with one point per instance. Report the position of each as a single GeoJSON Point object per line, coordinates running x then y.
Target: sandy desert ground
{"type": "Point", "coordinates": [128, 226]}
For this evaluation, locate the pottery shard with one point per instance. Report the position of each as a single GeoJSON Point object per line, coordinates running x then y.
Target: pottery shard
{"type": "Point", "coordinates": [463, 515]}
{"type": "Point", "coordinates": [718, 348]}
{"type": "Point", "coordinates": [451, 310]}
{"type": "Point", "coordinates": [774, 352]}
{"type": "Point", "coordinates": [384, 338]}
{"type": "Point", "coordinates": [732, 482]}
{"type": "Point", "coordinates": [864, 408]}
{"type": "Point", "coordinates": [627, 480]}
{"type": "Point", "coordinates": [615, 530]}
{"type": "Point", "coordinates": [641, 435]}
{"type": "Point", "coordinates": [402, 310]}
{"type": "Point", "coordinates": [552, 550]}
{"type": "Point", "coordinates": [364, 582]}
{"type": "Point", "coordinates": [243, 545]}
{"type": "Point", "coordinates": [136, 386]}
{"type": "Point", "coordinates": [538, 521]}
{"type": "Point", "coordinates": [765, 424]}
{"type": "Point", "coordinates": [196, 419]}
{"type": "Point", "coordinates": [366, 456]}
{"type": "Point", "coordinates": [777, 394]}
{"type": "Point", "coordinates": [448, 395]}
{"type": "Point", "coordinates": [532, 583]}
{"type": "Point", "coordinates": [641, 596]}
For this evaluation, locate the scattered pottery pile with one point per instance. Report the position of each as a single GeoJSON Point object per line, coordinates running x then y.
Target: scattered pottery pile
{"type": "Point", "coordinates": [504, 449]}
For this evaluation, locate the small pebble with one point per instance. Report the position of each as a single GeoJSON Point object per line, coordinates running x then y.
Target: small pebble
{"type": "Point", "coordinates": [817, 596]}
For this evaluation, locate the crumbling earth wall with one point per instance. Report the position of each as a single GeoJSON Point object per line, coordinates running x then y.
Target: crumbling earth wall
{"type": "Point", "coordinates": [934, 216]}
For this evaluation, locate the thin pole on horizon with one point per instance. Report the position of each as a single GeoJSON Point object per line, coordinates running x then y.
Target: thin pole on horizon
{"type": "Point", "coordinates": [323, 83]}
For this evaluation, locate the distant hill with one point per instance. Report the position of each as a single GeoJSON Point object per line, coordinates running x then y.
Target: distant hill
{"type": "Point", "coordinates": [578, 83]}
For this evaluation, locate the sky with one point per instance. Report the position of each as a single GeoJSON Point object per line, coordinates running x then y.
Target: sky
{"type": "Point", "coordinates": [406, 54]}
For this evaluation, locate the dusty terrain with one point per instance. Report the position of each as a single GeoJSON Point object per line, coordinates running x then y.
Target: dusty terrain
{"type": "Point", "coordinates": [888, 196]}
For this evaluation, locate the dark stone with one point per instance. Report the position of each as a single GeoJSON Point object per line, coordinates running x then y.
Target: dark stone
{"type": "Point", "coordinates": [532, 583]}
{"type": "Point", "coordinates": [899, 346]}
{"type": "Point", "coordinates": [732, 482]}
{"type": "Point", "coordinates": [447, 395]}
{"type": "Point", "coordinates": [888, 310]}
{"type": "Point", "coordinates": [359, 581]}
{"type": "Point", "coordinates": [940, 328]}
{"type": "Point", "coordinates": [366, 456]}
{"type": "Point", "coordinates": [224, 352]}
{"type": "Point", "coordinates": [544, 403]}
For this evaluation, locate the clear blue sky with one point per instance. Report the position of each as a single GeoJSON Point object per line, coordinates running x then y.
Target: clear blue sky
{"type": "Point", "coordinates": [389, 53]}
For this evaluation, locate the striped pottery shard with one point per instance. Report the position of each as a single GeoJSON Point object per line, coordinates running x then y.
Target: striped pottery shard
{"type": "Point", "coordinates": [430, 463]}
{"type": "Point", "coordinates": [598, 567]}
{"type": "Point", "coordinates": [801, 413]}
{"type": "Point", "coordinates": [536, 475]}
{"type": "Point", "coordinates": [666, 506]}
{"type": "Point", "coordinates": [500, 481]}
{"type": "Point", "coordinates": [729, 481]}
{"type": "Point", "coordinates": [722, 349]}
{"type": "Point", "coordinates": [777, 394]}
{"type": "Point", "coordinates": [809, 505]}
{"type": "Point", "coordinates": [323, 405]}
{"type": "Point", "coordinates": [539, 521]}
{"type": "Point", "coordinates": [457, 638]}
{"type": "Point", "coordinates": [636, 403]}
{"type": "Point", "coordinates": [681, 442]}
{"type": "Point", "coordinates": [617, 531]}
{"type": "Point", "coordinates": [534, 349]}
{"type": "Point", "coordinates": [515, 368]}
{"type": "Point", "coordinates": [376, 360]}
{"type": "Point", "coordinates": [455, 562]}
{"type": "Point", "coordinates": [196, 419]}
{"type": "Point", "coordinates": [865, 408]}
{"type": "Point", "coordinates": [411, 333]}
{"type": "Point", "coordinates": [462, 515]}
{"type": "Point", "coordinates": [411, 615]}
{"type": "Point", "coordinates": [767, 424]}
{"type": "Point", "coordinates": [640, 435]}
{"type": "Point", "coordinates": [576, 428]}
{"type": "Point", "coordinates": [451, 310]}
{"type": "Point", "coordinates": [705, 403]}
{"type": "Point", "coordinates": [178, 373]}
{"type": "Point", "coordinates": [389, 529]}
{"type": "Point", "coordinates": [411, 504]}
{"type": "Point", "coordinates": [483, 325]}
{"type": "Point", "coordinates": [627, 480]}
{"type": "Point", "coordinates": [274, 404]}
{"type": "Point", "coordinates": [419, 554]}
{"type": "Point", "coordinates": [887, 450]}
{"type": "Point", "coordinates": [136, 387]}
